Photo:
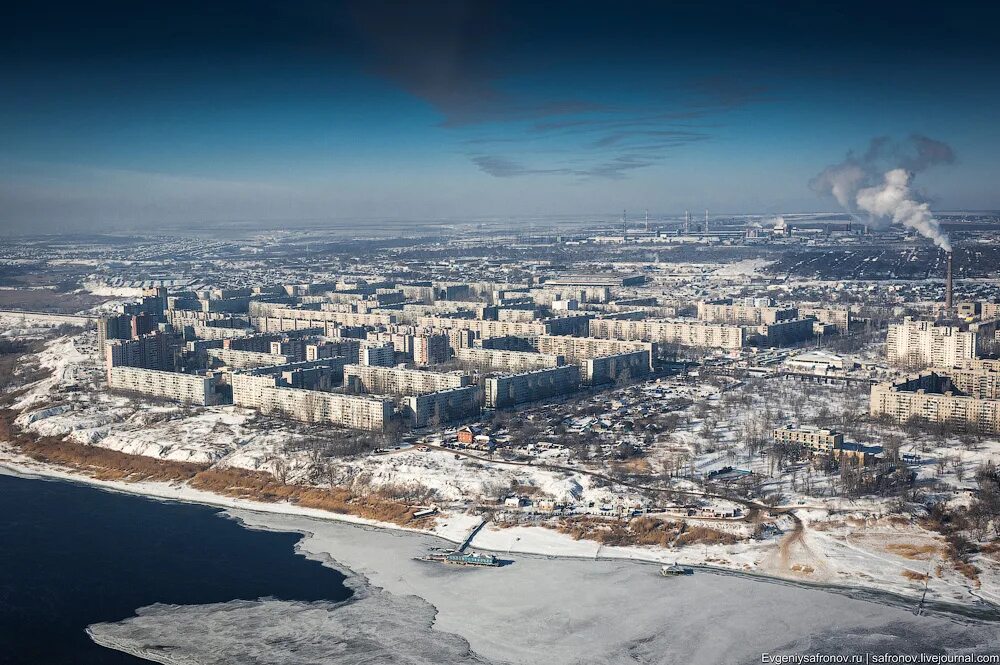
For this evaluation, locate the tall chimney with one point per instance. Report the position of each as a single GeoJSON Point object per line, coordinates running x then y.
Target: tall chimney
{"type": "Point", "coordinates": [948, 284]}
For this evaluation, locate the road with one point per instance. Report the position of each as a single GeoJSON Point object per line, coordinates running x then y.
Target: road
{"type": "Point", "coordinates": [749, 503]}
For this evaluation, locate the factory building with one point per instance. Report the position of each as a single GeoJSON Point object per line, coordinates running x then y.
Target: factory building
{"type": "Point", "coordinates": [511, 389]}
{"type": "Point", "coordinates": [978, 309]}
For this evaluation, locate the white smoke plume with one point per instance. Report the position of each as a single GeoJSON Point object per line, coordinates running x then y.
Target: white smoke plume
{"type": "Point", "coordinates": [878, 182]}
{"type": "Point", "coordinates": [893, 199]}
{"type": "Point", "coordinates": [841, 181]}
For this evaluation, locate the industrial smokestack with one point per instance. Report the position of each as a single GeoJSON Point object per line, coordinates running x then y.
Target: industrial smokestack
{"type": "Point", "coordinates": [948, 285]}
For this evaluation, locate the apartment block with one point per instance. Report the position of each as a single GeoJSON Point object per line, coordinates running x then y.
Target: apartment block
{"type": "Point", "coordinates": [932, 397]}
{"type": "Point", "coordinates": [565, 325]}
{"type": "Point", "coordinates": [286, 318]}
{"type": "Point", "coordinates": [916, 344]}
{"type": "Point", "coordinates": [495, 360]}
{"type": "Point", "coordinates": [586, 294]}
{"type": "Point", "coordinates": [344, 347]}
{"type": "Point", "coordinates": [402, 342]}
{"type": "Point", "coordinates": [726, 311]}
{"type": "Point", "coordinates": [294, 348]}
{"type": "Point", "coordinates": [123, 326]}
{"type": "Point", "coordinates": [218, 332]}
{"type": "Point", "coordinates": [576, 350]}
{"type": "Point", "coordinates": [977, 378]}
{"type": "Point", "coordinates": [516, 314]}
{"type": "Point", "coordinates": [430, 349]}
{"type": "Point", "coordinates": [263, 392]}
{"type": "Point", "coordinates": [609, 369]}
{"type": "Point", "coordinates": [237, 360]}
{"type": "Point", "coordinates": [665, 331]}
{"type": "Point", "coordinates": [840, 317]}
{"type": "Point", "coordinates": [460, 339]}
{"type": "Point", "coordinates": [782, 333]}
{"type": "Point", "coordinates": [442, 405]}
{"type": "Point", "coordinates": [398, 381]}
{"type": "Point", "coordinates": [382, 355]}
{"type": "Point", "coordinates": [511, 389]}
{"type": "Point", "coordinates": [152, 351]}
{"type": "Point", "coordinates": [813, 438]}
{"type": "Point", "coordinates": [187, 388]}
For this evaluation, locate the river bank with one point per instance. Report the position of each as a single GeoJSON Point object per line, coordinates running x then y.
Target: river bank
{"type": "Point", "coordinates": [410, 610]}
{"type": "Point", "coordinates": [74, 555]}
{"type": "Point", "coordinates": [540, 610]}
{"type": "Point", "coordinates": [454, 528]}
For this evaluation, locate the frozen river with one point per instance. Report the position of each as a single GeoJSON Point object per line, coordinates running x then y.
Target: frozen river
{"type": "Point", "coordinates": [188, 587]}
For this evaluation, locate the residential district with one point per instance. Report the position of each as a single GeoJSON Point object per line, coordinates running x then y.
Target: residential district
{"type": "Point", "coordinates": [800, 398]}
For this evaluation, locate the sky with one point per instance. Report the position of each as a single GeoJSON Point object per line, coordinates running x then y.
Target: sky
{"type": "Point", "coordinates": [117, 115]}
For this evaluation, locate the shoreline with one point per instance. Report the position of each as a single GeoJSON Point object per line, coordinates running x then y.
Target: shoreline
{"type": "Point", "coordinates": [175, 491]}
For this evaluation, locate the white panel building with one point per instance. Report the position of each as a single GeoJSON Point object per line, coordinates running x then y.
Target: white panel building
{"type": "Point", "coordinates": [187, 388]}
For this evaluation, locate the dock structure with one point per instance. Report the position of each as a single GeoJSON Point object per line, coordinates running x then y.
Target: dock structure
{"type": "Point", "coordinates": [463, 559]}
{"type": "Point", "coordinates": [472, 534]}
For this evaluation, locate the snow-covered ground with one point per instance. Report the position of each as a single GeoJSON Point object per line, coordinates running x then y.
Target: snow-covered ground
{"type": "Point", "coordinates": [844, 542]}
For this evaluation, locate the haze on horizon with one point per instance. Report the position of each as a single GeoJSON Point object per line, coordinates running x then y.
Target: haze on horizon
{"type": "Point", "coordinates": [121, 115]}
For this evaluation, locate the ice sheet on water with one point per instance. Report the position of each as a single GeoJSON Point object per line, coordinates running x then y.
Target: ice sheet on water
{"type": "Point", "coordinates": [376, 628]}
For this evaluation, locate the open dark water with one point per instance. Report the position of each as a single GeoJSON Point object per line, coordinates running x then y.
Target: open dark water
{"type": "Point", "coordinates": [72, 555]}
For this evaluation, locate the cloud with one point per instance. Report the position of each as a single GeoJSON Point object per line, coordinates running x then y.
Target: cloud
{"type": "Point", "coordinates": [501, 167]}
{"type": "Point", "coordinates": [440, 52]}
{"type": "Point", "coordinates": [458, 57]}
{"type": "Point", "coordinates": [669, 137]}
{"type": "Point", "coordinates": [614, 168]}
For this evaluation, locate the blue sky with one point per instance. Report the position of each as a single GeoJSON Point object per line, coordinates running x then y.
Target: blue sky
{"type": "Point", "coordinates": [118, 114]}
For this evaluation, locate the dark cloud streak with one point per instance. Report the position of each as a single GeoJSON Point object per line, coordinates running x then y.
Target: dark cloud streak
{"type": "Point", "coordinates": [451, 55]}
